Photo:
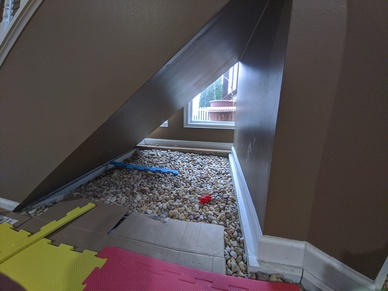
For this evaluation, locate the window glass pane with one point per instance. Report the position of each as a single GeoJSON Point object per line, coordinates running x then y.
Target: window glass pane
{"type": "Point", "coordinates": [215, 107]}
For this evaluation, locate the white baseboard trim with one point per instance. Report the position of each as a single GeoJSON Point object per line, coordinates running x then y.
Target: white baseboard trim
{"type": "Point", "coordinates": [8, 204]}
{"type": "Point", "coordinates": [277, 250]}
{"type": "Point", "coordinates": [313, 266]}
{"type": "Point", "coordinates": [248, 218]}
{"type": "Point", "coordinates": [187, 144]}
{"type": "Point", "coordinates": [336, 274]}
{"type": "Point", "coordinates": [280, 255]}
{"type": "Point", "coordinates": [296, 260]}
{"type": "Point", "coordinates": [380, 279]}
{"type": "Point", "coordinates": [60, 193]}
{"type": "Point", "coordinates": [311, 283]}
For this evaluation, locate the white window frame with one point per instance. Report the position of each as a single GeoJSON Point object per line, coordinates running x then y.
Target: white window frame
{"type": "Point", "coordinates": [188, 113]}
{"type": "Point", "coordinates": [188, 123]}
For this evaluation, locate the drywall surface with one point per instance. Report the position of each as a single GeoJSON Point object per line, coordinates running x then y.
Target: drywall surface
{"type": "Point", "coordinates": [214, 49]}
{"type": "Point", "coordinates": [260, 78]}
{"type": "Point", "coordinates": [177, 131]}
{"type": "Point", "coordinates": [349, 218]}
{"type": "Point", "coordinates": [72, 67]}
{"type": "Point", "coordinates": [328, 178]}
{"type": "Point", "coordinates": [312, 67]}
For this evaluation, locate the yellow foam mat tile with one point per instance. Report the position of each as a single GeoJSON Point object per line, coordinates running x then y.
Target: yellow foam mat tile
{"type": "Point", "coordinates": [8, 236]}
{"type": "Point", "coordinates": [20, 241]}
{"type": "Point", "coordinates": [43, 266]}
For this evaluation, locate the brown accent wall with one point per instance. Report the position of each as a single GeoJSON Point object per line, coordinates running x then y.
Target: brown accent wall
{"type": "Point", "coordinates": [260, 78]}
{"type": "Point", "coordinates": [177, 131]}
{"type": "Point", "coordinates": [214, 48]}
{"type": "Point", "coordinates": [349, 218]}
{"type": "Point", "coordinates": [72, 67]}
{"type": "Point", "coordinates": [328, 181]}
{"type": "Point", "coordinates": [312, 67]}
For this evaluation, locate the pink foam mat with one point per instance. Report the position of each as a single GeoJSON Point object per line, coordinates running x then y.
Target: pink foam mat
{"type": "Point", "coordinates": [125, 270]}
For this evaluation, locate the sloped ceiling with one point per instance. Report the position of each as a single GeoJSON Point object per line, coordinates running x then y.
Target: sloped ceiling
{"type": "Point", "coordinates": [150, 100]}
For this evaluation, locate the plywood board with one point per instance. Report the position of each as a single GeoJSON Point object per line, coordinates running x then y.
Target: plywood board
{"type": "Point", "coordinates": [197, 245]}
{"type": "Point", "coordinates": [13, 218]}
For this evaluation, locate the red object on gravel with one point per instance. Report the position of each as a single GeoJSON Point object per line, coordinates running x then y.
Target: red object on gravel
{"type": "Point", "coordinates": [205, 199]}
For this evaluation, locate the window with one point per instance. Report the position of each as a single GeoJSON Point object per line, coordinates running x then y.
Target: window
{"type": "Point", "coordinates": [214, 107]}
{"type": "Point", "coordinates": [164, 124]}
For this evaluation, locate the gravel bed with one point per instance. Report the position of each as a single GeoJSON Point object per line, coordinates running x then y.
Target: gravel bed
{"type": "Point", "coordinates": [178, 197]}
{"type": "Point", "coordinates": [162, 195]}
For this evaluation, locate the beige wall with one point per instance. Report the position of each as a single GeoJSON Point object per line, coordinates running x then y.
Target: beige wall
{"type": "Point", "coordinates": [328, 181]}
{"type": "Point", "coordinates": [312, 67]}
{"type": "Point", "coordinates": [177, 131]}
{"type": "Point", "coordinates": [165, 52]}
{"type": "Point", "coordinates": [75, 65]}
{"type": "Point", "coordinates": [349, 218]}
{"type": "Point", "coordinates": [321, 176]}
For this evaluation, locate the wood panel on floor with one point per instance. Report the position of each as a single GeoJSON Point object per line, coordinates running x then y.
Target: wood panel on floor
{"type": "Point", "coordinates": [196, 245]}
{"type": "Point", "coordinates": [199, 245]}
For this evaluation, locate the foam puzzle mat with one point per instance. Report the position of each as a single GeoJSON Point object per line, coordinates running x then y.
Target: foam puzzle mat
{"type": "Point", "coordinates": [125, 270]}
{"type": "Point", "coordinates": [43, 266]}
{"type": "Point", "coordinates": [34, 263]}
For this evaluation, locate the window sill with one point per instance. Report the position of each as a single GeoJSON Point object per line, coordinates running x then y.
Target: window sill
{"type": "Point", "coordinates": [210, 125]}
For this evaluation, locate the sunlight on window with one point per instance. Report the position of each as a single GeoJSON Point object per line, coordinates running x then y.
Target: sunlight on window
{"type": "Point", "coordinates": [215, 106]}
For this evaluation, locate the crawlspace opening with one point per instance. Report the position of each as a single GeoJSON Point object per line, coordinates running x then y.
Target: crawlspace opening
{"type": "Point", "coordinates": [164, 196]}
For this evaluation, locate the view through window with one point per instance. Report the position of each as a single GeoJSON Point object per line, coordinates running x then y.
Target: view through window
{"type": "Point", "coordinates": [215, 107]}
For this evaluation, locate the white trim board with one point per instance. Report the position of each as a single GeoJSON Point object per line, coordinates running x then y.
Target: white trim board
{"type": "Point", "coordinates": [296, 260]}
{"type": "Point", "coordinates": [8, 204]}
{"type": "Point", "coordinates": [248, 218]}
{"type": "Point", "coordinates": [320, 269]}
{"type": "Point", "coordinates": [284, 256]}
{"type": "Point", "coordinates": [187, 143]}
{"type": "Point", "coordinates": [60, 193]}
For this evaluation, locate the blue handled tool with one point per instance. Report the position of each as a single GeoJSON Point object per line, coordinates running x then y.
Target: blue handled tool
{"type": "Point", "coordinates": [144, 168]}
